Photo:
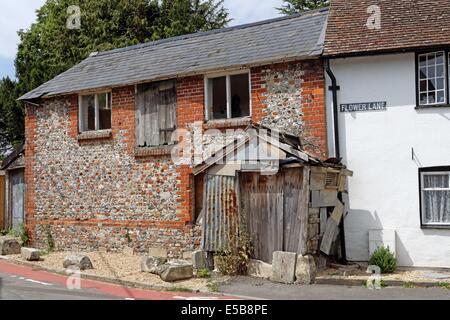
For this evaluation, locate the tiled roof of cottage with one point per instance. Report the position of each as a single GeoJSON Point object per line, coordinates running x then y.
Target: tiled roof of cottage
{"type": "Point", "coordinates": [405, 25]}
{"type": "Point", "coordinates": [287, 38]}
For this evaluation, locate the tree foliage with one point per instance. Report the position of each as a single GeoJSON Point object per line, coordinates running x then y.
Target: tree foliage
{"type": "Point", "coordinates": [11, 116]}
{"type": "Point", "coordinates": [49, 48]}
{"type": "Point", "coordinates": [297, 6]}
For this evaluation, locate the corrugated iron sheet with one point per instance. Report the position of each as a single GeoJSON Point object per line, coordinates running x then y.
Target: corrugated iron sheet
{"type": "Point", "coordinates": [221, 218]}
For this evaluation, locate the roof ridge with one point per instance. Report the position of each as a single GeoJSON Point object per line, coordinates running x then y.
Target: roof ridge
{"type": "Point", "coordinates": [210, 32]}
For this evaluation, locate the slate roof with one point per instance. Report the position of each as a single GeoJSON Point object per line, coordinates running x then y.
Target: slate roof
{"type": "Point", "coordinates": [406, 25]}
{"type": "Point", "coordinates": [295, 37]}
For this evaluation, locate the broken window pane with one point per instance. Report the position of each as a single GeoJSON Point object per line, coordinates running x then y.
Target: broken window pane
{"type": "Point", "coordinates": [240, 96]}
{"type": "Point", "coordinates": [95, 112]}
{"type": "Point", "coordinates": [228, 96]}
{"type": "Point", "coordinates": [87, 113]}
{"type": "Point", "coordinates": [219, 97]}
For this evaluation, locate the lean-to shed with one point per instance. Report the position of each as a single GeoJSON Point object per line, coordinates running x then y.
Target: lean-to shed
{"type": "Point", "coordinates": [264, 185]}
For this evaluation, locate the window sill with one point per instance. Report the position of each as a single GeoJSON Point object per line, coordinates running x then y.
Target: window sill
{"type": "Point", "coordinates": [433, 106]}
{"type": "Point", "coordinates": [153, 151]}
{"type": "Point", "coordinates": [436, 227]}
{"type": "Point", "coordinates": [227, 123]}
{"type": "Point", "coordinates": [95, 135]}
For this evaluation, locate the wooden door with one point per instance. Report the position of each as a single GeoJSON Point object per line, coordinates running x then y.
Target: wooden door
{"type": "Point", "coordinates": [17, 185]}
{"type": "Point", "coordinates": [276, 208]}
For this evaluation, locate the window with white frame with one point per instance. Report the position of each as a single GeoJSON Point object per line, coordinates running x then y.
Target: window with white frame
{"type": "Point", "coordinates": [435, 197]}
{"type": "Point", "coordinates": [95, 112]}
{"type": "Point", "coordinates": [227, 96]}
{"type": "Point", "coordinates": [432, 79]}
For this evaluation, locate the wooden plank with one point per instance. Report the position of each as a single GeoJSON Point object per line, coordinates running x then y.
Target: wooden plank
{"type": "Point", "coordinates": [140, 123]}
{"type": "Point", "coordinates": [2, 202]}
{"type": "Point", "coordinates": [332, 228]}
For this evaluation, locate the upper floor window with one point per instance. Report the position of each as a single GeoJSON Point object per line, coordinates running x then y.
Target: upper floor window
{"type": "Point", "coordinates": [435, 196]}
{"type": "Point", "coordinates": [95, 112]}
{"type": "Point", "coordinates": [155, 114]}
{"type": "Point", "coordinates": [227, 96]}
{"type": "Point", "coordinates": [433, 77]}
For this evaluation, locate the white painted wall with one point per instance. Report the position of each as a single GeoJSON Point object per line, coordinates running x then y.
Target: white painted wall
{"type": "Point", "coordinates": [377, 146]}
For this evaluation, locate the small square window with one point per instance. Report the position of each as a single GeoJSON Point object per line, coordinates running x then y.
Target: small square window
{"type": "Point", "coordinates": [228, 96]}
{"type": "Point", "coordinates": [95, 112]}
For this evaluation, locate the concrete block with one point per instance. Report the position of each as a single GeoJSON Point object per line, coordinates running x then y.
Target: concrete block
{"type": "Point", "coordinates": [151, 264]}
{"type": "Point", "coordinates": [176, 270]}
{"type": "Point", "coordinates": [306, 270]}
{"type": "Point", "coordinates": [199, 260]}
{"type": "Point", "coordinates": [30, 254]}
{"type": "Point", "coordinates": [283, 267]}
{"type": "Point", "coordinates": [259, 269]}
{"type": "Point", "coordinates": [158, 252]}
{"type": "Point", "coordinates": [9, 246]}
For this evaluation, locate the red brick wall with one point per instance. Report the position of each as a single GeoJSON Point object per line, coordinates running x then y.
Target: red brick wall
{"type": "Point", "coordinates": [30, 147]}
{"type": "Point", "coordinates": [314, 108]}
{"type": "Point", "coordinates": [190, 109]}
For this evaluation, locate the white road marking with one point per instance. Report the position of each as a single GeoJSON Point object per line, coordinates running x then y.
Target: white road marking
{"type": "Point", "coordinates": [13, 276]}
{"type": "Point", "coordinates": [39, 282]}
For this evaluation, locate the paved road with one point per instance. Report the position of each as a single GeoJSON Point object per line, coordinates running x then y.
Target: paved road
{"type": "Point", "coordinates": [25, 283]}
{"type": "Point", "coordinates": [266, 290]}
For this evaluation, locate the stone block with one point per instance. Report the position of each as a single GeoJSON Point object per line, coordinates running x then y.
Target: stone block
{"type": "Point", "coordinates": [158, 252]}
{"type": "Point", "coordinates": [151, 264]}
{"type": "Point", "coordinates": [30, 254]}
{"type": "Point", "coordinates": [187, 255]}
{"type": "Point", "coordinates": [176, 270]}
{"type": "Point", "coordinates": [259, 269]}
{"type": "Point", "coordinates": [305, 271]}
{"type": "Point", "coordinates": [9, 246]}
{"type": "Point", "coordinates": [77, 261]}
{"type": "Point", "coordinates": [283, 267]}
{"type": "Point", "coordinates": [199, 260]}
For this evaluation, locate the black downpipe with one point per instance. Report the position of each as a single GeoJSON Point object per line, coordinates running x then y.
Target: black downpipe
{"type": "Point", "coordinates": [337, 150]}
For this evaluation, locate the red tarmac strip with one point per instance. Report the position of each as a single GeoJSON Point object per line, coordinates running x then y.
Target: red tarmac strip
{"type": "Point", "coordinates": [101, 287]}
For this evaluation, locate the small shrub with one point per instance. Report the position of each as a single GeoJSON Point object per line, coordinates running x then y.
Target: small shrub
{"type": "Point", "coordinates": [204, 273]}
{"type": "Point", "coordinates": [384, 259]}
{"type": "Point", "coordinates": [444, 285]}
{"type": "Point", "coordinates": [23, 234]}
{"type": "Point", "coordinates": [50, 241]}
{"type": "Point", "coordinates": [235, 261]}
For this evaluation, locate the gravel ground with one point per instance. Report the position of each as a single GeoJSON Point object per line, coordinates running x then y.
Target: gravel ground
{"type": "Point", "coordinates": [356, 272]}
{"type": "Point", "coordinates": [124, 266]}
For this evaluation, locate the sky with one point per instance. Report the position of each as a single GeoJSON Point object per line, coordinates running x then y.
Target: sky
{"type": "Point", "coordinates": [20, 14]}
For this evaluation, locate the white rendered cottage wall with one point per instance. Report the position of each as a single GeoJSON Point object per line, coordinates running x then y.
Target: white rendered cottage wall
{"type": "Point", "coordinates": [377, 146]}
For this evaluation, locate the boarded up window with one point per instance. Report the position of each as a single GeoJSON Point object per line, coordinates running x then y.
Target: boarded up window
{"type": "Point", "coordinates": [156, 114]}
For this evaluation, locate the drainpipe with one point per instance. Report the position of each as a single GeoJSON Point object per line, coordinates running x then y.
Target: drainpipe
{"type": "Point", "coordinates": [337, 150]}
{"type": "Point", "coordinates": [334, 88]}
